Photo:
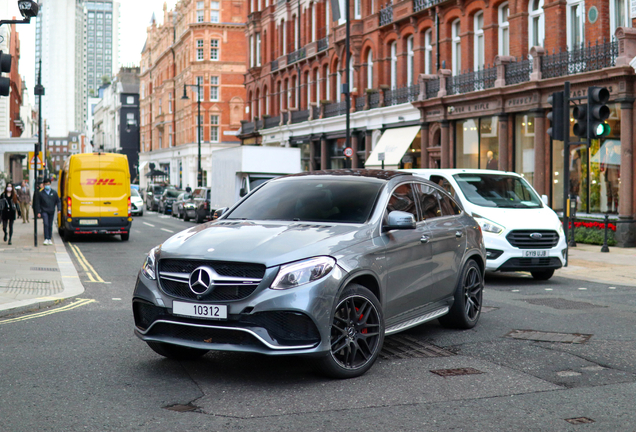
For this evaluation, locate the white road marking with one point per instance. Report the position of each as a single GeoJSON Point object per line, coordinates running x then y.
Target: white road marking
{"type": "Point", "coordinates": [164, 217]}
{"type": "Point", "coordinates": [116, 298]}
{"type": "Point", "coordinates": [515, 290]}
{"type": "Point", "coordinates": [582, 289]}
{"type": "Point", "coordinates": [549, 289]}
{"type": "Point", "coordinates": [612, 287]}
{"type": "Point", "coordinates": [150, 225]}
{"type": "Point", "coordinates": [167, 230]}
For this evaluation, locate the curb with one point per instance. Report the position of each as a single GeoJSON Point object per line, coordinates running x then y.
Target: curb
{"type": "Point", "coordinates": [70, 281]}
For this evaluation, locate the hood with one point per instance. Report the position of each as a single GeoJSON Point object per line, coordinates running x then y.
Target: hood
{"type": "Point", "coordinates": [513, 218]}
{"type": "Point", "coordinates": [270, 243]}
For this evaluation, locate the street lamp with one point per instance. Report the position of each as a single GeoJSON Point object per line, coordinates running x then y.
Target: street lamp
{"type": "Point", "coordinates": [185, 97]}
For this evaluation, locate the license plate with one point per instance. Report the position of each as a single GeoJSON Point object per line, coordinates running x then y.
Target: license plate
{"type": "Point", "coordinates": [199, 310]}
{"type": "Point", "coordinates": [535, 253]}
{"type": "Point", "coordinates": [88, 222]}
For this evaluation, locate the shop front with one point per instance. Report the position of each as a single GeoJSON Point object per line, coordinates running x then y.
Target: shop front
{"type": "Point", "coordinates": [398, 148]}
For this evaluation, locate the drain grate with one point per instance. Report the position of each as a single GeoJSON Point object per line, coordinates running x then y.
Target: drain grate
{"type": "Point", "coordinates": [182, 407]}
{"type": "Point", "coordinates": [539, 336]}
{"type": "Point", "coordinates": [402, 347]}
{"type": "Point", "coordinates": [559, 303]}
{"type": "Point", "coordinates": [579, 420]}
{"type": "Point", "coordinates": [46, 269]}
{"type": "Point", "coordinates": [456, 372]}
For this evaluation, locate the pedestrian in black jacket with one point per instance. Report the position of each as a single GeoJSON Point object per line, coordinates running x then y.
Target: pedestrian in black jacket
{"type": "Point", "coordinates": [44, 207]}
{"type": "Point", "coordinates": [10, 205]}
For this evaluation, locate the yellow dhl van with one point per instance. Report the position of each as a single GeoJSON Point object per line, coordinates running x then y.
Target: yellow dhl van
{"type": "Point", "coordinates": [95, 192]}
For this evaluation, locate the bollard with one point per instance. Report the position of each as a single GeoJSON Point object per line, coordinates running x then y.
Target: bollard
{"type": "Point", "coordinates": [572, 201]}
{"type": "Point", "coordinates": [605, 248]}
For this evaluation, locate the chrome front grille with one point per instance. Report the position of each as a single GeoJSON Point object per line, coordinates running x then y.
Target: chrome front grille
{"type": "Point", "coordinates": [533, 239]}
{"type": "Point", "coordinates": [233, 281]}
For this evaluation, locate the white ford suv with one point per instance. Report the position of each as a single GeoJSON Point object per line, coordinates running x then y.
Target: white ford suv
{"type": "Point", "coordinates": [520, 231]}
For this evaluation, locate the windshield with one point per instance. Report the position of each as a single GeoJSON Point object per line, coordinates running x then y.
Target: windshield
{"type": "Point", "coordinates": [496, 190]}
{"type": "Point", "coordinates": [311, 200]}
{"type": "Point", "coordinates": [158, 190]}
{"type": "Point", "coordinates": [172, 193]}
{"type": "Point", "coordinates": [135, 193]}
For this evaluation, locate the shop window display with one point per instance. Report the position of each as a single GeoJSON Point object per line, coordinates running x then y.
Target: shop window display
{"type": "Point", "coordinates": [477, 143]}
{"type": "Point", "coordinates": [524, 146]}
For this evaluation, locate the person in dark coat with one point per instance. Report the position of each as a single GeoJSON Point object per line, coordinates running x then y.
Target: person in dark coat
{"type": "Point", "coordinates": [44, 206]}
{"type": "Point", "coordinates": [10, 205]}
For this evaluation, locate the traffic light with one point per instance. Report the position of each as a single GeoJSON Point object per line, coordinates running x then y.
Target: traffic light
{"type": "Point", "coordinates": [557, 129]}
{"type": "Point", "coordinates": [5, 67]}
{"type": "Point", "coordinates": [580, 116]}
{"type": "Point", "coordinates": [597, 98]}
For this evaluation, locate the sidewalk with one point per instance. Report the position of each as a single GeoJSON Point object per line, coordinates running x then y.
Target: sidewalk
{"type": "Point", "coordinates": [587, 262]}
{"type": "Point", "coordinates": [33, 278]}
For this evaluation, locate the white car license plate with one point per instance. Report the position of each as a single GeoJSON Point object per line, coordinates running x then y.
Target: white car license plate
{"type": "Point", "coordinates": [535, 253]}
{"type": "Point", "coordinates": [199, 310]}
{"type": "Point", "coordinates": [88, 222]}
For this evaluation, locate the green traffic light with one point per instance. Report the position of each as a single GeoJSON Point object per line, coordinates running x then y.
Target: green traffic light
{"type": "Point", "coordinates": [602, 130]}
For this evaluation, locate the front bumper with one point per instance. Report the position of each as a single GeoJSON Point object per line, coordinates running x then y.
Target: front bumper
{"type": "Point", "coordinates": [273, 322]}
{"type": "Point", "coordinates": [502, 256]}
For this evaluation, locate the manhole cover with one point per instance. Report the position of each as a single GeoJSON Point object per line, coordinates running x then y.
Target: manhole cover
{"type": "Point", "coordinates": [573, 338]}
{"type": "Point", "coordinates": [456, 372]}
{"type": "Point", "coordinates": [46, 269]}
{"type": "Point", "coordinates": [182, 407]}
{"type": "Point", "coordinates": [401, 347]}
{"type": "Point", "coordinates": [32, 287]}
{"type": "Point", "coordinates": [579, 420]}
{"type": "Point", "coordinates": [559, 303]}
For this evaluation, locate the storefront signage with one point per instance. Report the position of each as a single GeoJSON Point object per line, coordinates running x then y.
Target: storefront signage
{"type": "Point", "coordinates": [582, 92]}
{"type": "Point", "coordinates": [478, 107]}
{"type": "Point", "coordinates": [522, 101]}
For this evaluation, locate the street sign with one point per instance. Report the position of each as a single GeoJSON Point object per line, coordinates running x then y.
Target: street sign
{"type": "Point", "coordinates": [33, 160]}
{"type": "Point", "coordinates": [348, 152]}
{"type": "Point", "coordinates": [381, 156]}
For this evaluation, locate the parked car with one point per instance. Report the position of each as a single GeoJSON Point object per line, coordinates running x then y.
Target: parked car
{"type": "Point", "coordinates": [136, 202]}
{"type": "Point", "coordinates": [167, 198]}
{"type": "Point", "coordinates": [521, 232]}
{"type": "Point", "coordinates": [153, 193]}
{"type": "Point", "coordinates": [178, 205]}
{"type": "Point", "coordinates": [320, 264]}
{"type": "Point", "coordinates": [201, 204]}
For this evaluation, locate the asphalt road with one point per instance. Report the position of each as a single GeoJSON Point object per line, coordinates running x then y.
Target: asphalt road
{"type": "Point", "coordinates": [83, 369]}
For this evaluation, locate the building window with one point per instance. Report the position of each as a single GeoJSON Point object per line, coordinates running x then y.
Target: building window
{"type": "Point", "coordinates": [170, 103]}
{"type": "Point", "coordinates": [214, 88]}
{"type": "Point", "coordinates": [576, 24]}
{"type": "Point", "coordinates": [170, 136]}
{"type": "Point", "coordinates": [313, 22]}
{"type": "Point", "coordinates": [318, 96]}
{"type": "Point", "coordinates": [428, 51]}
{"type": "Point", "coordinates": [200, 128]}
{"type": "Point", "coordinates": [214, 50]}
{"type": "Point", "coordinates": [160, 107]}
{"type": "Point", "coordinates": [524, 146]}
{"type": "Point", "coordinates": [214, 128]}
{"type": "Point", "coordinates": [394, 65]}
{"type": "Point", "coordinates": [200, 88]}
{"type": "Point", "coordinates": [258, 49]}
{"type": "Point", "coordinates": [200, 49]}
{"type": "Point", "coordinates": [536, 24]}
{"type": "Point", "coordinates": [479, 41]}
{"type": "Point", "coordinates": [308, 85]}
{"type": "Point", "coordinates": [477, 143]}
{"type": "Point", "coordinates": [619, 13]}
{"type": "Point", "coordinates": [410, 61]}
{"type": "Point", "coordinates": [370, 69]}
{"type": "Point", "coordinates": [504, 31]}
{"type": "Point", "coordinates": [358, 9]}
{"type": "Point", "coordinates": [214, 12]}
{"type": "Point", "coordinates": [251, 48]}
{"type": "Point", "coordinates": [456, 48]}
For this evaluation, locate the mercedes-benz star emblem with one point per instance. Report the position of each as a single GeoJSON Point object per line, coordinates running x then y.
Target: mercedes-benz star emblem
{"type": "Point", "coordinates": [536, 236]}
{"type": "Point", "coordinates": [201, 281]}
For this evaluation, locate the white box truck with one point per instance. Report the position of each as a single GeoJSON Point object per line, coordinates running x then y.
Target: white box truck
{"type": "Point", "coordinates": [237, 171]}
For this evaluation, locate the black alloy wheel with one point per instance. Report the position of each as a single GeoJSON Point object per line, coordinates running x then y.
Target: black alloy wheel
{"type": "Point", "coordinates": [466, 308]}
{"type": "Point", "coordinates": [356, 335]}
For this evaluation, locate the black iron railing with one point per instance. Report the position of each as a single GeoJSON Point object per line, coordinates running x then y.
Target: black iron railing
{"type": "Point", "coordinates": [401, 95]}
{"type": "Point", "coordinates": [323, 44]}
{"type": "Point", "coordinates": [315, 113]}
{"type": "Point", "coordinates": [579, 60]}
{"type": "Point", "coordinates": [300, 116]}
{"type": "Point", "coordinates": [374, 99]}
{"type": "Point", "coordinates": [259, 124]}
{"type": "Point", "coordinates": [419, 5]}
{"type": "Point", "coordinates": [247, 127]}
{"type": "Point", "coordinates": [432, 88]}
{"type": "Point", "coordinates": [335, 109]}
{"type": "Point", "coordinates": [271, 122]}
{"type": "Point", "coordinates": [275, 65]}
{"type": "Point", "coordinates": [518, 71]}
{"type": "Point", "coordinates": [360, 102]}
{"type": "Point", "coordinates": [386, 15]}
{"type": "Point", "coordinates": [472, 81]}
{"type": "Point", "coordinates": [296, 55]}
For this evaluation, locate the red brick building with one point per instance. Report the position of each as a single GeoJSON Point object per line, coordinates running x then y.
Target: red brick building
{"type": "Point", "coordinates": [200, 42]}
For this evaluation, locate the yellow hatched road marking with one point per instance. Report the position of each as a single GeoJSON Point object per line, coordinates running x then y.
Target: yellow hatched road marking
{"type": "Point", "coordinates": [88, 268]}
{"type": "Point", "coordinates": [78, 303]}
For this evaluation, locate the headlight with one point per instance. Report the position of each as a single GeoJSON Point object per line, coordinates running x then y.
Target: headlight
{"type": "Point", "coordinates": [302, 272]}
{"type": "Point", "coordinates": [488, 225]}
{"type": "Point", "coordinates": [148, 269]}
{"type": "Point", "coordinates": [561, 229]}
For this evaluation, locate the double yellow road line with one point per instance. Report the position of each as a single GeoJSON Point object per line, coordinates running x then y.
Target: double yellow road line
{"type": "Point", "coordinates": [76, 304]}
{"type": "Point", "coordinates": [86, 266]}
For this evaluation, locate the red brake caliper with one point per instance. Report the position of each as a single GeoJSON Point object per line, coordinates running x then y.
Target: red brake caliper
{"type": "Point", "coordinates": [364, 330]}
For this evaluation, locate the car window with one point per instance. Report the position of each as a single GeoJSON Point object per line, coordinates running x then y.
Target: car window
{"type": "Point", "coordinates": [428, 200]}
{"type": "Point", "coordinates": [134, 192]}
{"type": "Point", "coordinates": [444, 184]}
{"type": "Point", "coordinates": [449, 206]}
{"type": "Point", "coordinates": [209, 194]}
{"type": "Point", "coordinates": [402, 199]}
{"type": "Point", "coordinates": [198, 193]}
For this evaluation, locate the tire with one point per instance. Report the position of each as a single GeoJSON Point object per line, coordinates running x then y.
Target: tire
{"type": "Point", "coordinates": [185, 217]}
{"type": "Point", "coordinates": [125, 237]}
{"type": "Point", "coordinates": [466, 308]}
{"type": "Point", "coordinates": [141, 214]}
{"type": "Point", "coordinates": [198, 219]}
{"type": "Point", "coordinates": [542, 275]}
{"type": "Point", "coordinates": [176, 352]}
{"type": "Point", "coordinates": [357, 334]}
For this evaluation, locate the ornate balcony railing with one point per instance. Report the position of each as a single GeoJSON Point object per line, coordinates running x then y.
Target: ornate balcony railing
{"type": "Point", "coordinates": [432, 88]}
{"type": "Point", "coordinates": [335, 109]}
{"type": "Point", "coordinates": [315, 113]}
{"type": "Point", "coordinates": [374, 99]}
{"type": "Point", "coordinates": [300, 116]}
{"type": "Point", "coordinates": [401, 95]}
{"type": "Point", "coordinates": [275, 65]}
{"type": "Point", "coordinates": [296, 55]}
{"type": "Point", "coordinates": [323, 44]}
{"type": "Point", "coordinates": [518, 71]}
{"type": "Point", "coordinates": [472, 81]}
{"type": "Point", "coordinates": [360, 102]}
{"type": "Point", "coordinates": [271, 122]}
{"type": "Point", "coordinates": [579, 60]}
{"type": "Point", "coordinates": [419, 5]}
{"type": "Point", "coordinates": [247, 127]}
{"type": "Point", "coordinates": [386, 15]}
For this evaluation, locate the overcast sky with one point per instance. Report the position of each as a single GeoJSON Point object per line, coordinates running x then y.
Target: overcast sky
{"type": "Point", "coordinates": [134, 20]}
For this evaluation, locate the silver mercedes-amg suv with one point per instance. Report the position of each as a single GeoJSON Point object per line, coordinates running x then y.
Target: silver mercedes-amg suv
{"type": "Point", "coordinates": [321, 264]}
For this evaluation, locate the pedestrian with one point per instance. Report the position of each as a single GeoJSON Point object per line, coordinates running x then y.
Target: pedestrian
{"type": "Point", "coordinates": [44, 206]}
{"type": "Point", "coordinates": [24, 195]}
{"type": "Point", "coordinates": [10, 205]}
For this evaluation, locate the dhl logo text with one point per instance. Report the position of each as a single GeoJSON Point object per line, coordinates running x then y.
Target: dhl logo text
{"type": "Point", "coordinates": [101, 182]}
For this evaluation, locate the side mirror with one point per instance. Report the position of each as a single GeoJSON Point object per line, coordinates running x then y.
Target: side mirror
{"type": "Point", "coordinates": [544, 198]}
{"type": "Point", "coordinates": [242, 192]}
{"type": "Point", "coordinates": [219, 212]}
{"type": "Point", "coordinates": [400, 220]}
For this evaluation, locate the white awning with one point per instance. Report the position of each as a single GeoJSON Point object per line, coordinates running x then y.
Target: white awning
{"type": "Point", "coordinates": [142, 165]}
{"type": "Point", "coordinates": [393, 143]}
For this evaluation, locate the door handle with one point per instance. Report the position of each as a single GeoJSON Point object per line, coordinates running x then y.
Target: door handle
{"type": "Point", "coordinates": [424, 239]}
{"type": "Point", "coordinates": [459, 234]}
